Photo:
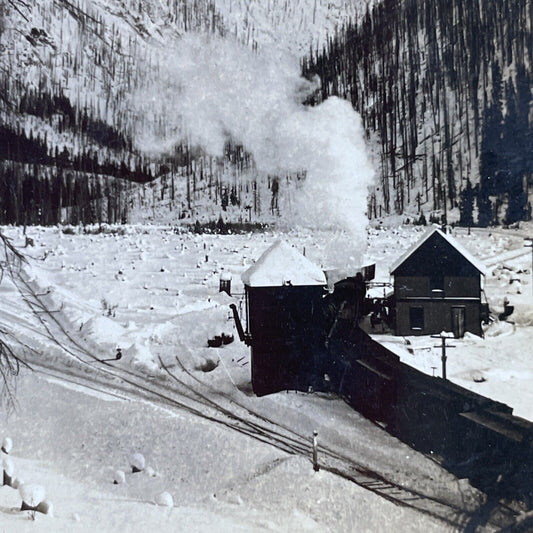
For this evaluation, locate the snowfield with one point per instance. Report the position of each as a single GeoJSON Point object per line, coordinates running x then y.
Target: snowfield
{"type": "Point", "coordinates": [215, 457]}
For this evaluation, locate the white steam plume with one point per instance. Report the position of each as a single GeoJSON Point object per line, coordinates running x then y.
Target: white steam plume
{"type": "Point", "coordinates": [212, 89]}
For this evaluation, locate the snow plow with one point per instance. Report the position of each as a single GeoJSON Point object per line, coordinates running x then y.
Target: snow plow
{"type": "Point", "coordinates": [304, 336]}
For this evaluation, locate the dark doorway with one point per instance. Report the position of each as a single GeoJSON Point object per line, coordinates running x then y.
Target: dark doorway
{"type": "Point", "coordinates": [458, 321]}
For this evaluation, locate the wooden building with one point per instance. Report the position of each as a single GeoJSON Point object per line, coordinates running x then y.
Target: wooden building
{"type": "Point", "coordinates": [284, 292]}
{"type": "Point", "coordinates": [437, 287]}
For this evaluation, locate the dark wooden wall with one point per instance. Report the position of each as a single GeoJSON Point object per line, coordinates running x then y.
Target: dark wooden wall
{"type": "Point", "coordinates": [286, 328]}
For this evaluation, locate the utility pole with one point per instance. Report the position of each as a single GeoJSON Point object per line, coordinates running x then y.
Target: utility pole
{"type": "Point", "coordinates": [443, 346]}
{"type": "Point", "coordinates": [530, 245]}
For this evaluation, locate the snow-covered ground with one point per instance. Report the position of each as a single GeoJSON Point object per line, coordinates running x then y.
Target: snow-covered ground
{"type": "Point", "coordinates": [153, 293]}
{"type": "Point", "coordinates": [219, 481]}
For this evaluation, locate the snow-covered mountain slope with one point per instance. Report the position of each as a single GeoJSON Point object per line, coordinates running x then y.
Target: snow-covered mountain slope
{"type": "Point", "coordinates": [445, 89]}
{"type": "Point", "coordinates": [295, 25]}
{"type": "Point", "coordinates": [131, 89]}
{"type": "Point", "coordinates": [98, 53]}
{"type": "Point", "coordinates": [94, 53]}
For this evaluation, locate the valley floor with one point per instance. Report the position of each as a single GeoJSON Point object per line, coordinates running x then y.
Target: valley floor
{"type": "Point", "coordinates": [231, 461]}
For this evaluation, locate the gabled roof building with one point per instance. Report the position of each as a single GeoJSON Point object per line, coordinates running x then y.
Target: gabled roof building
{"type": "Point", "coordinates": [284, 292]}
{"type": "Point", "coordinates": [437, 287]}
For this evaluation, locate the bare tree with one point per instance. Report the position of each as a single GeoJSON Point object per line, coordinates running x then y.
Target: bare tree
{"type": "Point", "coordinates": [10, 363]}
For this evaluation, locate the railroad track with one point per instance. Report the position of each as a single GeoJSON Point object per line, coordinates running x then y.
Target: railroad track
{"type": "Point", "coordinates": [346, 467]}
{"type": "Point", "coordinates": [509, 255]}
{"type": "Point", "coordinates": [196, 397]}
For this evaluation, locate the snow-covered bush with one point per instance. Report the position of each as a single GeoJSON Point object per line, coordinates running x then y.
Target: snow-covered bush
{"type": "Point", "coordinates": [32, 495]}
{"type": "Point", "coordinates": [137, 462]}
{"type": "Point", "coordinates": [119, 477]}
{"type": "Point", "coordinates": [164, 499]}
{"type": "Point", "coordinates": [7, 445]}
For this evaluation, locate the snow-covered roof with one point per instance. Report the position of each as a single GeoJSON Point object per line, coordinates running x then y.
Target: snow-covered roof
{"type": "Point", "coordinates": [281, 265]}
{"type": "Point", "coordinates": [476, 263]}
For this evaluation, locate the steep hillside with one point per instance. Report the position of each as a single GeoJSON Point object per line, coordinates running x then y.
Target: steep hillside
{"type": "Point", "coordinates": [445, 87]}
{"type": "Point", "coordinates": [94, 95]}
{"type": "Point", "coordinates": [295, 25]}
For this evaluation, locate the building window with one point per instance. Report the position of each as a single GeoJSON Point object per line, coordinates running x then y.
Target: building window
{"type": "Point", "coordinates": [416, 318]}
{"type": "Point", "coordinates": [436, 285]}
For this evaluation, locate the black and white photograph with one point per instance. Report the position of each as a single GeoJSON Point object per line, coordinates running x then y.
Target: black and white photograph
{"type": "Point", "coordinates": [266, 266]}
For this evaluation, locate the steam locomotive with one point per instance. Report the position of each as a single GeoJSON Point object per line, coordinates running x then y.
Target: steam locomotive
{"type": "Point", "coordinates": [305, 337]}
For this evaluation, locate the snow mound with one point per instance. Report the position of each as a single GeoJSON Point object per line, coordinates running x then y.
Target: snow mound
{"type": "Point", "coordinates": [164, 499]}
{"type": "Point", "coordinates": [137, 462]}
{"type": "Point", "coordinates": [8, 466]}
{"type": "Point", "coordinates": [231, 497]}
{"type": "Point", "coordinates": [300, 521]}
{"type": "Point", "coordinates": [7, 445]}
{"type": "Point", "coordinates": [472, 338]}
{"type": "Point", "coordinates": [104, 330]}
{"type": "Point", "coordinates": [499, 329]}
{"type": "Point", "coordinates": [523, 315]}
{"type": "Point", "coordinates": [31, 494]}
{"type": "Point", "coordinates": [478, 376]}
{"type": "Point", "coordinates": [150, 472]}
{"type": "Point", "coordinates": [208, 365]}
{"type": "Point", "coordinates": [141, 355]}
{"type": "Point", "coordinates": [119, 477]}
{"type": "Point", "coordinates": [47, 507]}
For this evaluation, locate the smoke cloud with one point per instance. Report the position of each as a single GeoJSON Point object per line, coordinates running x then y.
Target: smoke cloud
{"type": "Point", "coordinates": [212, 89]}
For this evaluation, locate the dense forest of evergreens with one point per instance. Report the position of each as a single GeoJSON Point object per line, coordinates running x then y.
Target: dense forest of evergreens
{"type": "Point", "coordinates": [44, 185]}
{"type": "Point", "coordinates": [445, 85]}
{"type": "Point", "coordinates": [33, 194]}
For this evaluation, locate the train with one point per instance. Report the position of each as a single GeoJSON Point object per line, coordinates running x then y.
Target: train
{"type": "Point", "coordinates": [313, 341]}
